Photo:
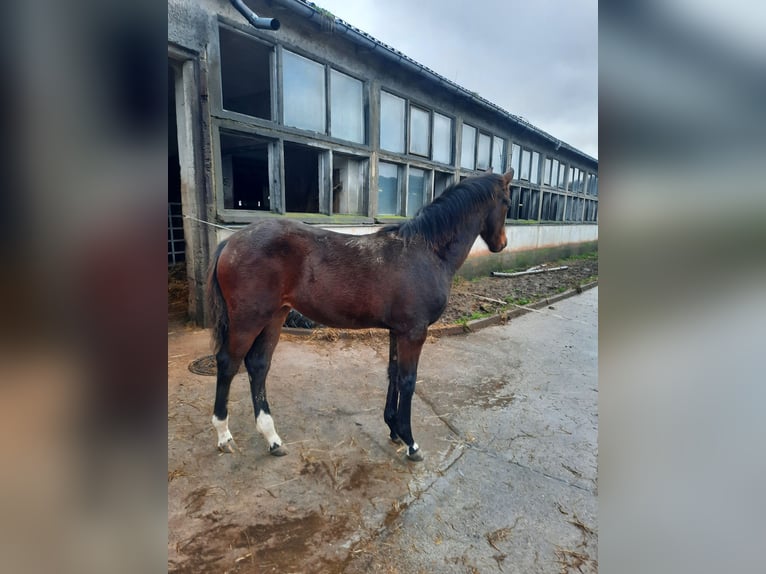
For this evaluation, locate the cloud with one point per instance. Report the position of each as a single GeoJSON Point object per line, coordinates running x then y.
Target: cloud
{"type": "Point", "coordinates": [538, 60]}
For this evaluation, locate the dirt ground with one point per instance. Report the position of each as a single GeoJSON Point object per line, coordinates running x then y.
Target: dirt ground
{"type": "Point", "coordinates": [469, 299]}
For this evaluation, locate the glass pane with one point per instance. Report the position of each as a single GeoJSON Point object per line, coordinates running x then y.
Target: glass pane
{"type": "Point", "coordinates": [468, 149]}
{"type": "Point", "coordinates": [416, 190]}
{"type": "Point", "coordinates": [419, 131]}
{"type": "Point", "coordinates": [555, 173]}
{"type": "Point", "coordinates": [482, 157]}
{"type": "Point", "coordinates": [245, 74]}
{"type": "Point", "coordinates": [498, 154]}
{"type": "Point", "coordinates": [515, 153]}
{"type": "Point", "coordinates": [442, 139]}
{"type": "Point", "coordinates": [391, 122]}
{"type": "Point", "coordinates": [547, 172]}
{"type": "Point", "coordinates": [535, 175]}
{"type": "Point", "coordinates": [347, 109]}
{"type": "Point", "coordinates": [304, 93]}
{"type": "Point", "coordinates": [388, 188]}
{"type": "Point", "coordinates": [562, 173]}
{"type": "Point", "coordinates": [525, 157]}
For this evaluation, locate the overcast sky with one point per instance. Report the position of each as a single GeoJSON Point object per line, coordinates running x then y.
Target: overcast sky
{"type": "Point", "coordinates": [537, 59]}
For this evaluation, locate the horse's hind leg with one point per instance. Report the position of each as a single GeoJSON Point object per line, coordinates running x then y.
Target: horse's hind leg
{"type": "Point", "coordinates": [228, 359]}
{"type": "Point", "coordinates": [392, 398]}
{"type": "Point", "coordinates": [258, 362]}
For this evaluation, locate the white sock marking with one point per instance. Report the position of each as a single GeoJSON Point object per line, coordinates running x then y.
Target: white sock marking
{"type": "Point", "coordinates": [414, 447]}
{"type": "Point", "coordinates": [265, 425]}
{"type": "Point", "coordinates": [222, 427]}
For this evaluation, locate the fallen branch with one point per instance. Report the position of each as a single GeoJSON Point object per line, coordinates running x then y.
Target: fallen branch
{"type": "Point", "coordinates": [529, 271]}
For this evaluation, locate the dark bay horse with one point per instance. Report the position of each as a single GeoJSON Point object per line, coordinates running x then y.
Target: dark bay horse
{"type": "Point", "coordinates": [398, 278]}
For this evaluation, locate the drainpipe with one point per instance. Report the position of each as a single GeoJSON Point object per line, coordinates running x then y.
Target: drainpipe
{"type": "Point", "coordinates": [253, 18]}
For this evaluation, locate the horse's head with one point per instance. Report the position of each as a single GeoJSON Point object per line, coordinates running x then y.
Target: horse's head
{"type": "Point", "coordinates": [493, 231]}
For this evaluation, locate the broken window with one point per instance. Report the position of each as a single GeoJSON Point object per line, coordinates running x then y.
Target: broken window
{"type": "Point", "coordinates": [547, 172]}
{"type": "Point", "coordinates": [498, 155]}
{"type": "Point", "coordinates": [442, 139]}
{"type": "Point", "coordinates": [515, 160]}
{"type": "Point", "coordinates": [348, 184]}
{"type": "Point", "coordinates": [417, 190]}
{"type": "Point", "coordinates": [347, 107]}
{"type": "Point", "coordinates": [468, 148]}
{"type": "Point", "coordinates": [391, 122]}
{"type": "Point", "coordinates": [303, 84]}
{"type": "Point", "coordinates": [301, 178]}
{"type": "Point", "coordinates": [420, 131]}
{"type": "Point", "coordinates": [534, 176]}
{"type": "Point", "coordinates": [245, 74]}
{"type": "Point", "coordinates": [441, 182]}
{"type": "Point", "coordinates": [526, 156]}
{"type": "Point", "coordinates": [513, 209]}
{"type": "Point", "coordinates": [482, 153]}
{"type": "Point", "coordinates": [245, 171]}
{"type": "Point", "coordinates": [388, 188]}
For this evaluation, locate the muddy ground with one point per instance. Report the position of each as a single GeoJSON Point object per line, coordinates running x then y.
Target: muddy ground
{"type": "Point", "coordinates": [469, 299]}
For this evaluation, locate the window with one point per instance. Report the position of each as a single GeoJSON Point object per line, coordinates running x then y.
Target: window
{"type": "Point", "coordinates": [498, 155]}
{"type": "Point", "coordinates": [515, 160]}
{"type": "Point", "coordinates": [482, 156]}
{"type": "Point", "coordinates": [245, 171]}
{"type": "Point", "coordinates": [562, 175]}
{"type": "Point", "coordinates": [420, 131]}
{"type": "Point", "coordinates": [534, 176]}
{"type": "Point", "coordinates": [555, 173]}
{"type": "Point", "coordinates": [416, 190]}
{"type": "Point", "coordinates": [348, 184]}
{"type": "Point", "coordinates": [468, 148]}
{"type": "Point", "coordinates": [441, 182]}
{"type": "Point", "coordinates": [245, 74]}
{"type": "Point", "coordinates": [347, 107]}
{"type": "Point", "coordinates": [547, 172]}
{"type": "Point", "coordinates": [442, 139]}
{"type": "Point", "coordinates": [391, 122]}
{"type": "Point", "coordinates": [301, 178]}
{"type": "Point", "coordinates": [304, 92]}
{"type": "Point", "coordinates": [525, 158]}
{"type": "Point", "coordinates": [388, 188]}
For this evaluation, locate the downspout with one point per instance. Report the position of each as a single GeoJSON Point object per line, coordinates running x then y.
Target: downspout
{"type": "Point", "coordinates": [253, 18]}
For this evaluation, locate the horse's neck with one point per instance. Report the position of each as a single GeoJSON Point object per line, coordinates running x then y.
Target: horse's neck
{"type": "Point", "coordinates": [456, 251]}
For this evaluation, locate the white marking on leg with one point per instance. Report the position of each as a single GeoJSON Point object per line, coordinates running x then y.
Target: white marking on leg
{"type": "Point", "coordinates": [265, 425]}
{"type": "Point", "coordinates": [222, 427]}
{"type": "Point", "coordinates": [414, 447]}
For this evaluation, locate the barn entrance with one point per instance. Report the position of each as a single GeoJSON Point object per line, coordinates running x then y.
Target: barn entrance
{"type": "Point", "coordinates": [178, 286]}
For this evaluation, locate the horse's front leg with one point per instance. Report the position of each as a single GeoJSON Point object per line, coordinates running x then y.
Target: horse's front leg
{"type": "Point", "coordinates": [409, 346]}
{"type": "Point", "coordinates": [392, 398]}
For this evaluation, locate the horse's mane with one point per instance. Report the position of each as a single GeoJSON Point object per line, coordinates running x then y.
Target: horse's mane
{"type": "Point", "coordinates": [438, 221]}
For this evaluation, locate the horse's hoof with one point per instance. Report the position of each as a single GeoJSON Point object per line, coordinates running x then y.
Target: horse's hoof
{"type": "Point", "coordinates": [228, 447]}
{"type": "Point", "coordinates": [277, 450]}
{"type": "Point", "coordinates": [414, 455]}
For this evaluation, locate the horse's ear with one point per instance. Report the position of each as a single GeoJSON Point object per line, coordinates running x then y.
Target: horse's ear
{"type": "Point", "coordinates": [507, 177]}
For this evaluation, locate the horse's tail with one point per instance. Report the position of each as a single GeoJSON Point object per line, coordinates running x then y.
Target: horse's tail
{"type": "Point", "coordinates": [216, 304]}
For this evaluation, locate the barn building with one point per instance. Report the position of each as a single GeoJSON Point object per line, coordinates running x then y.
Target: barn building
{"type": "Point", "coordinates": [301, 115]}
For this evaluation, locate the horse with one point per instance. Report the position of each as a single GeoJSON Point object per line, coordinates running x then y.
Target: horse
{"type": "Point", "coordinates": [397, 278]}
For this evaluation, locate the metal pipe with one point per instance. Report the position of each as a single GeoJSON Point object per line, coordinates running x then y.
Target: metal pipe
{"type": "Point", "coordinates": [253, 18]}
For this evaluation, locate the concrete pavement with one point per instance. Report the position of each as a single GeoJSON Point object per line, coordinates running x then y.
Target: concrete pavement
{"type": "Point", "coordinates": [507, 420]}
